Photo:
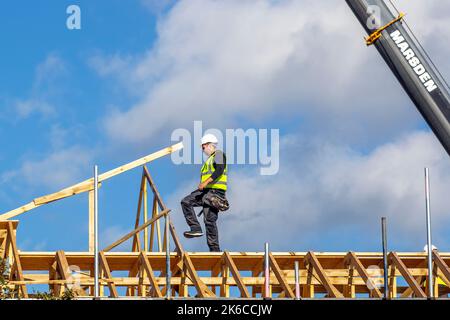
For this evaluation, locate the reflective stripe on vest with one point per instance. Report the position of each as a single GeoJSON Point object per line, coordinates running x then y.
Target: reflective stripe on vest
{"type": "Point", "coordinates": [208, 169]}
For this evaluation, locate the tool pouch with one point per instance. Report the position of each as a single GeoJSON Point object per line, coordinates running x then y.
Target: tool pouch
{"type": "Point", "coordinates": [216, 200]}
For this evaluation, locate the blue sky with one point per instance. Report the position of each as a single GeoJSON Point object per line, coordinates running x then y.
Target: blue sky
{"type": "Point", "coordinates": [33, 33]}
{"type": "Point", "coordinates": [116, 89]}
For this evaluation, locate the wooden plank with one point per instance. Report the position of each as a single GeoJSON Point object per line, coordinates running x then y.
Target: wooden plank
{"type": "Point", "coordinates": [256, 270]}
{"type": "Point", "coordinates": [132, 273]}
{"type": "Point", "coordinates": [392, 281]}
{"type": "Point", "coordinates": [408, 292]}
{"type": "Point", "coordinates": [145, 199]}
{"type": "Point", "coordinates": [7, 247]}
{"type": "Point", "coordinates": [208, 281]}
{"type": "Point", "coordinates": [15, 252]}
{"type": "Point", "coordinates": [175, 238]}
{"type": "Point", "coordinates": [4, 224]}
{"type": "Point", "coordinates": [217, 267]}
{"type": "Point", "coordinates": [442, 266]}
{"type": "Point", "coordinates": [332, 263]}
{"type": "Point", "coordinates": [136, 246]}
{"type": "Point", "coordinates": [141, 161]}
{"type": "Point", "coordinates": [331, 289]}
{"type": "Point", "coordinates": [29, 206]}
{"type": "Point", "coordinates": [71, 191]}
{"type": "Point", "coordinates": [202, 289]}
{"type": "Point", "coordinates": [135, 231]}
{"type": "Point", "coordinates": [349, 289]}
{"type": "Point", "coordinates": [157, 226]}
{"type": "Point", "coordinates": [154, 189]}
{"type": "Point", "coordinates": [235, 273]}
{"type": "Point", "coordinates": [62, 265]}
{"type": "Point", "coordinates": [250, 281]}
{"type": "Point", "coordinates": [109, 278]}
{"type": "Point", "coordinates": [176, 281]}
{"type": "Point", "coordinates": [158, 233]}
{"type": "Point", "coordinates": [109, 174]}
{"type": "Point", "coordinates": [149, 270]}
{"type": "Point", "coordinates": [3, 245]}
{"type": "Point", "coordinates": [141, 285]}
{"type": "Point", "coordinates": [53, 276]}
{"type": "Point", "coordinates": [406, 275]}
{"type": "Point", "coordinates": [63, 269]}
{"type": "Point", "coordinates": [215, 272]}
{"type": "Point", "coordinates": [183, 288]}
{"type": "Point", "coordinates": [87, 185]}
{"type": "Point", "coordinates": [35, 203]}
{"type": "Point", "coordinates": [225, 288]}
{"type": "Point", "coordinates": [279, 275]}
{"type": "Point", "coordinates": [91, 275]}
{"type": "Point", "coordinates": [152, 229]}
{"type": "Point", "coordinates": [354, 261]}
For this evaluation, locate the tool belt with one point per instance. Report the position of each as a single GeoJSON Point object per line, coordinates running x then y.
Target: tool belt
{"type": "Point", "coordinates": [215, 200]}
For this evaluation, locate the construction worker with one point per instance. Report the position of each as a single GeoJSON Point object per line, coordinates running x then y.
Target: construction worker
{"type": "Point", "coordinates": [213, 179]}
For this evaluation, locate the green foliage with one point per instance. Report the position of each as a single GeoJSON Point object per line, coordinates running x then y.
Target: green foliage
{"type": "Point", "coordinates": [44, 296]}
{"type": "Point", "coordinates": [4, 275]}
{"type": "Point", "coordinates": [5, 291]}
{"type": "Point", "coordinates": [68, 294]}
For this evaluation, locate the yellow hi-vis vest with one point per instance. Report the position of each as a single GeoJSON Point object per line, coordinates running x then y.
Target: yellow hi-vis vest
{"type": "Point", "coordinates": [207, 171]}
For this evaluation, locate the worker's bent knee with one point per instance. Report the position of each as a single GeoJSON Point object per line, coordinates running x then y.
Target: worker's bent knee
{"type": "Point", "coordinates": [185, 201]}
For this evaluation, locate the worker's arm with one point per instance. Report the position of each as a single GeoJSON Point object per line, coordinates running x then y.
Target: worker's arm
{"type": "Point", "coordinates": [219, 165]}
{"type": "Point", "coordinates": [203, 184]}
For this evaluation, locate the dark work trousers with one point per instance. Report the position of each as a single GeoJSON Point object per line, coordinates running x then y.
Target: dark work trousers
{"type": "Point", "coordinates": [210, 215]}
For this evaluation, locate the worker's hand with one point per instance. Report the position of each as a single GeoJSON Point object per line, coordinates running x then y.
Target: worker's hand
{"type": "Point", "coordinates": [202, 185]}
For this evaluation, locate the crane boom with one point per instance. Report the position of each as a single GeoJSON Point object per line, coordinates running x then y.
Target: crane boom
{"type": "Point", "coordinates": [409, 62]}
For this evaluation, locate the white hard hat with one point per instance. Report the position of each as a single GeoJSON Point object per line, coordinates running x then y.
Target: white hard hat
{"type": "Point", "coordinates": [209, 138]}
{"type": "Point", "coordinates": [426, 248]}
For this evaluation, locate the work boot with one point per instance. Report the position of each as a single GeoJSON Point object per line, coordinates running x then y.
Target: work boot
{"type": "Point", "coordinates": [193, 233]}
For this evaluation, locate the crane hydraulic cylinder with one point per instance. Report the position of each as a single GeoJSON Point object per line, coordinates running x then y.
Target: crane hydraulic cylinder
{"type": "Point", "coordinates": [409, 62]}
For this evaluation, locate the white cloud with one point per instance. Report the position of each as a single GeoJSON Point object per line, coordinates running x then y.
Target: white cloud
{"type": "Point", "coordinates": [58, 136]}
{"type": "Point", "coordinates": [25, 108]}
{"type": "Point", "coordinates": [106, 66]}
{"type": "Point", "coordinates": [324, 189]}
{"type": "Point", "coordinates": [49, 70]}
{"type": "Point", "coordinates": [58, 169]}
{"type": "Point", "coordinates": [43, 89]}
{"type": "Point", "coordinates": [220, 61]}
{"type": "Point", "coordinates": [223, 61]}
